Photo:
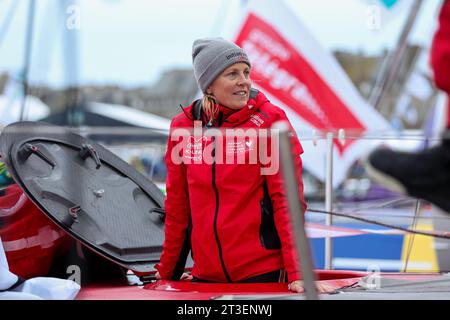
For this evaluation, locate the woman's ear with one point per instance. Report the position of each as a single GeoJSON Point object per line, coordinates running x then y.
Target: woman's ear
{"type": "Point", "coordinates": [208, 91]}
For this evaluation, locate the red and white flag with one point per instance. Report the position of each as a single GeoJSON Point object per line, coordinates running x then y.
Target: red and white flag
{"type": "Point", "coordinates": [304, 79]}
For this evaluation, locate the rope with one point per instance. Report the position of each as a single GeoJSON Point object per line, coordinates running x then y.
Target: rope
{"type": "Point", "coordinates": [350, 286]}
{"type": "Point", "coordinates": [384, 203]}
{"type": "Point", "coordinates": [399, 216]}
{"type": "Point", "coordinates": [442, 235]}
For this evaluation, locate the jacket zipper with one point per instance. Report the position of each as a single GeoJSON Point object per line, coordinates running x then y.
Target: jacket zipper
{"type": "Point", "coordinates": [217, 212]}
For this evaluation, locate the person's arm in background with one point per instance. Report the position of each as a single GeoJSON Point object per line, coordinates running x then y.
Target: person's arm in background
{"type": "Point", "coordinates": [177, 212]}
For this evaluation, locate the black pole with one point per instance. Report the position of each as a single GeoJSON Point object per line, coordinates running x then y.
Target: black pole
{"type": "Point", "coordinates": [27, 57]}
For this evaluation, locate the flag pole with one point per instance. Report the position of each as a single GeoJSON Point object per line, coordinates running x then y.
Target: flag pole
{"type": "Point", "coordinates": [390, 69]}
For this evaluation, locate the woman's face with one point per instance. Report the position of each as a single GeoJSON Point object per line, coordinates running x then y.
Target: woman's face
{"type": "Point", "coordinates": [232, 87]}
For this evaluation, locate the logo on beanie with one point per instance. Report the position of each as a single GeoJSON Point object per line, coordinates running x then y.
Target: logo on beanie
{"type": "Point", "coordinates": [240, 54]}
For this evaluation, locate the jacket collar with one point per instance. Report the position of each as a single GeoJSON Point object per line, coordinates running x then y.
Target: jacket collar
{"type": "Point", "coordinates": [257, 99]}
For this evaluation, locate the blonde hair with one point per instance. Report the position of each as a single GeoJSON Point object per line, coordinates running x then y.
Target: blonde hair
{"type": "Point", "coordinates": [210, 107]}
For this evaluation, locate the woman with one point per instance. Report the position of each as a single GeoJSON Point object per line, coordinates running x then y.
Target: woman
{"type": "Point", "coordinates": [239, 225]}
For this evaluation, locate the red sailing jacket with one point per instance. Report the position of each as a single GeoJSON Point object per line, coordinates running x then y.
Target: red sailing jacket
{"type": "Point", "coordinates": [440, 53]}
{"type": "Point", "coordinates": [240, 223]}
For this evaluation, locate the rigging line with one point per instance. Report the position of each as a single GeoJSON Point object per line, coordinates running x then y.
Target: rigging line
{"type": "Point", "coordinates": [362, 136]}
{"type": "Point", "coordinates": [365, 214]}
{"type": "Point", "coordinates": [406, 217]}
{"type": "Point", "coordinates": [350, 286]}
{"type": "Point", "coordinates": [383, 204]}
{"type": "Point", "coordinates": [378, 204]}
{"type": "Point", "coordinates": [411, 239]}
{"type": "Point", "coordinates": [413, 137]}
{"type": "Point", "coordinates": [442, 235]}
{"type": "Point", "coordinates": [7, 22]}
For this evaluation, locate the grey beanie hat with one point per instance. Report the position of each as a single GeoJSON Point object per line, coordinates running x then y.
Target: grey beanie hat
{"type": "Point", "coordinates": [210, 56]}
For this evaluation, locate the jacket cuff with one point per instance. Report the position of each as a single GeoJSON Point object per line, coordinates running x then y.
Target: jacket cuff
{"type": "Point", "coordinates": [293, 276]}
{"type": "Point", "coordinates": [166, 275]}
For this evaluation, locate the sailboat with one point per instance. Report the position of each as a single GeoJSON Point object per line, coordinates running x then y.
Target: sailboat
{"type": "Point", "coordinates": [109, 208]}
{"type": "Point", "coordinates": [114, 211]}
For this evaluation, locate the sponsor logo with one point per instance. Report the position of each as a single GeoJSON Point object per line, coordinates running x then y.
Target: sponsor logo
{"type": "Point", "coordinates": [229, 146]}
{"type": "Point", "coordinates": [239, 54]}
{"type": "Point", "coordinates": [256, 119]}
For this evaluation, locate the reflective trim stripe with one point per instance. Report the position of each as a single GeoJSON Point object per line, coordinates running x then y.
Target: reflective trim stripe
{"type": "Point", "coordinates": [45, 239]}
{"type": "Point", "coordinates": [282, 277]}
{"type": "Point", "coordinates": [6, 212]}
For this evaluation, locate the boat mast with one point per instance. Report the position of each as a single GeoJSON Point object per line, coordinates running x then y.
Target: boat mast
{"type": "Point", "coordinates": [389, 69]}
{"type": "Point", "coordinates": [7, 21]}
{"type": "Point", "coordinates": [27, 57]}
{"type": "Point", "coordinates": [74, 113]}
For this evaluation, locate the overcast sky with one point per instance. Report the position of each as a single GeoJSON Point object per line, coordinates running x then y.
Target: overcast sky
{"type": "Point", "coordinates": [131, 42]}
